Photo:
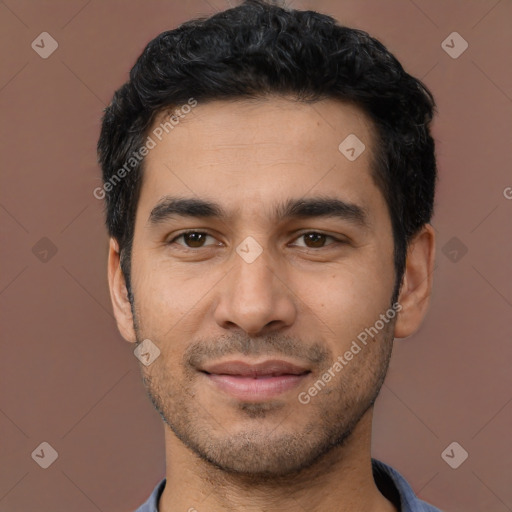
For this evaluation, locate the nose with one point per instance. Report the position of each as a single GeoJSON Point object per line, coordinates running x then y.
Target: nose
{"type": "Point", "coordinates": [255, 297]}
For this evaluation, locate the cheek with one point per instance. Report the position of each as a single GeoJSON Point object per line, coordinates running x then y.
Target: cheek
{"type": "Point", "coordinates": [167, 296]}
{"type": "Point", "coordinates": [346, 299]}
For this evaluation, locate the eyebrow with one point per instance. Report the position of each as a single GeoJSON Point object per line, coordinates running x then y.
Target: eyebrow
{"type": "Point", "coordinates": [170, 207]}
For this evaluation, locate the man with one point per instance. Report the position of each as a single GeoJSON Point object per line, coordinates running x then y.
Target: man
{"type": "Point", "coordinates": [269, 178]}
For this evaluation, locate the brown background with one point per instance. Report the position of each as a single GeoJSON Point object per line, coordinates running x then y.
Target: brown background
{"type": "Point", "coordinates": [68, 378]}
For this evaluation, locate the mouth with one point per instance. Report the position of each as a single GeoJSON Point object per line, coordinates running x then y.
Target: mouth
{"type": "Point", "coordinates": [255, 381]}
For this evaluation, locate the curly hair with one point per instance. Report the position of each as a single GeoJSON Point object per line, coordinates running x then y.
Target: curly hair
{"type": "Point", "coordinates": [258, 49]}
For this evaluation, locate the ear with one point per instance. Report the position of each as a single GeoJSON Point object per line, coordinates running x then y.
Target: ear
{"type": "Point", "coordinates": [119, 294]}
{"type": "Point", "coordinates": [417, 282]}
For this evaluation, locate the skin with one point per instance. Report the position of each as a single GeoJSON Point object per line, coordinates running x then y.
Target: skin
{"type": "Point", "coordinates": [299, 300]}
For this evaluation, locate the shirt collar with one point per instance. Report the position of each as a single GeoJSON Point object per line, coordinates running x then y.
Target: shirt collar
{"type": "Point", "coordinates": [388, 480]}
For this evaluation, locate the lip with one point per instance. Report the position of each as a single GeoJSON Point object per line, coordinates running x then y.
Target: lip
{"type": "Point", "coordinates": [270, 367]}
{"type": "Point", "coordinates": [255, 381]}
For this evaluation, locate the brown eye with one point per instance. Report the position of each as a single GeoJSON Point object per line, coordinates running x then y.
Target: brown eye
{"type": "Point", "coordinates": [192, 239]}
{"type": "Point", "coordinates": [314, 240]}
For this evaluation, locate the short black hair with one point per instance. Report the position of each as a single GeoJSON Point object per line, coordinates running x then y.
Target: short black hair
{"type": "Point", "coordinates": [259, 49]}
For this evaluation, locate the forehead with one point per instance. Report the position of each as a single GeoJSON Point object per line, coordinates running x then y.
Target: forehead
{"type": "Point", "coordinates": [266, 120]}
{"type": "Point", "coordinates": [260, 150]}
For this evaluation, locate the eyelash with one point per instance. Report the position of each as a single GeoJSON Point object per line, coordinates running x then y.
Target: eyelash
{"type": "Point", "coordinates": [336, 240]}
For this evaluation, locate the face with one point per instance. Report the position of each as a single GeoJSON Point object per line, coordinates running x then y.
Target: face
{"type": "Point", "coordinates": [273, 271]}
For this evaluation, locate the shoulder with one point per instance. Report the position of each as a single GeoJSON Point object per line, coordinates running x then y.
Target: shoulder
{"type": "Point", "coordinates": [396, 488]}
{"type": "Point", "coordinates": [151, 504]}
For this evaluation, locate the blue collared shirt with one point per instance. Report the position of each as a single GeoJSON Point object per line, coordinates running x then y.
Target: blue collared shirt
{"type": "Point", "coordinates": [389, 481]}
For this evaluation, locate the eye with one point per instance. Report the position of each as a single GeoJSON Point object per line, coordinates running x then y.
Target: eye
{"type": "Point", "coordinates": [315, 240]}
{"type": "Point", "coordinates": [192, 239]}
{"type": "Point", "coordinates": [197, 239]}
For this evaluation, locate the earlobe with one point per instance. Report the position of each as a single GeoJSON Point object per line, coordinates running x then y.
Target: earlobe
{"type": "Point", "coordinates": [417, 282]}
{"type": "Point", "coordinates": [119, 294]}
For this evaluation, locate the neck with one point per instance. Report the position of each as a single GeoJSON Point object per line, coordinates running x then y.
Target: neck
{"type": "Point", "coordinates": [340, 481]}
